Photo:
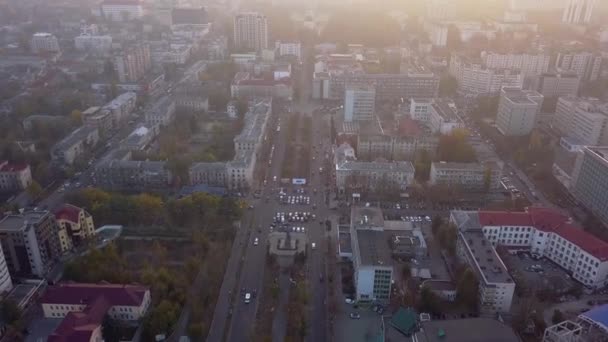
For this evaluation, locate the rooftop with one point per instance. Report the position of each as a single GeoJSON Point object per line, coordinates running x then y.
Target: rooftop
{"type": "Point", "coordinates": [439, 285]}
{"type": "Point", "coordinates": [19, 222]}
{"type": "Point", "coordinates": [443, 165]}
{"type": "Point", "coordinates": [77, 136]}
{"type": "Point", "coordinates": [366, 218]}
{"type": "Point", "coordinates": [446, 109]}
{"type": "Point", "coordinates": [68, 212]}
{"type": "Point", "coordinates": [373, 248]}
{"type": "Point", "coordinates": [488, 263]}
{"type": "Point", "coordinates": [519, 96]}
{"type": "Point", "coordinates": [386, 166]}
{"type": "Point", "coordinates": [466, 330]}
{"type": "Point", "coordinates": [84, 293]}
{"type": "Point", "coordinates": [255, 121]}
{"type": "Point", "coordinates": [6, 166]}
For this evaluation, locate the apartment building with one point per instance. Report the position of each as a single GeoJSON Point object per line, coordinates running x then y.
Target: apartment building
{"type": "Point", "coordinates": [358, 176]}
{"type": "Point", "coordinates": [558, 83]}
{"type": "Point", "coordinates": [587, 65]}
{"type": "Point", "coordinates": [288, 49]}
{"type": "Point", "coordinates": [117, 174]}
{"type": "Point", "coordinates": [132, 63]}
{"type": "Point", "coordinates": [548, 233]}
{"type": "Point", "coordinates": [30, 242]}
{"type": "Point", "coordinates": [244, 85]}
{"type": "Point", "coordinates": [14, 177]}
{"type": "Point", "coordinates": [75, 226]}
{"type": "Point", "coordinates": [438, 33]}
{"type": "Point", "coordinates": [359, 103]}
{"type": "Point", "coordinates": [93, 43]}
{"type": "Point", "coordinates": [590, 179]}
{"type": "Point", "coordinates": [251, 31]}
{"type": "Point", "coordinates": [529, 64]}
{"type": "Point", "coordinates": [467, 176]}
{"type": "Point", "coordinates": [443, 117]}
{"type": "Point", "coordinates": [578, 11]}
{"type": "Point", "coordinates": [122, 10]}
{"type": "Point", "coordinates": [474, 78]}
{"type": "Point", "coordinates": [496, 287]}
{"type": "Point", "coordinates": [6, 283]}
{"type": "Point", "coordinates": [517, 111]}
{"type": "Point", "coordinates": [83, 308]}
{"type": "Point", "coordinates": [81, 140]}
{"type": "Point", "coordinates": [44, 42]}
{"type": "Point", "coordinates": [120, 108]}
{"type": "Point", "coordinates": [585, 120]}
{"type": "Point", "coordinates": [191, 96]}
{"type": "Point", "coordinates": [373, 146]}
{"type": "Point", "coordinates": [237, 173]}
{"type": "Point", "coordinates": [161, 112]}
{"type": "Point", "coordinates": [375, 243]}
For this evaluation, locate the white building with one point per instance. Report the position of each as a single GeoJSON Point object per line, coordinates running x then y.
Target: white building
{"type": "Point", "coordinates": [578, 11]}
{"type": "Point", "coordinates": [585, 120]}
{"type": "Point", "coordinates": [528, 64]}
{"type": "Point", "coordinates": [120, 108]}
{"type": "Point", "coordinates": [476, 79]}
{"type": "Point", "coordinates": [14, 177]}
{"type": "Point", "coordinates": [93, 43]}
{"type": "Point", "coordinates": [122, 10]}
{"type": "Point", "coordinates": [557, 84]}
{"type": "Point", "coordinates": [81, 140]}
{"type": "Point", "coordinates": [161, 112]}
{"type": "Point", "coordinates": [441, 9]}
{"type": "Point", "coordinates": [357, 176]}
{"type": "Point", "coordinates": [517, 111]}
{"type": "Point", "coordinates": [537, 5]}
{"type": "Point", "coordinates": [467, 176]}
{"type": "Point", "coordinates": [6, 284]}
{"type": "Point", "coordinates": [438, 34]}
{"type": "Point", "coordinates": [359, 103]}
{"type": "Point", "coordinates": [251, 31]}
{"type": "Point", "coordinates": [443, 117]}
{"type": "Point", "coordinates": [44, 42]}
{"type": "Point", "coordinates": [545, 232]}
{"type": "Point", "coordinates": [587, 65]}
{"type": "Point", "coordinates": [288, 49]}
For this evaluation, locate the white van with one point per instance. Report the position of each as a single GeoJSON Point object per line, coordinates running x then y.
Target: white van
{"type": "Point", "coordinates": [313, 245]}
{"type": "Point", "coordinates": [247, 298]}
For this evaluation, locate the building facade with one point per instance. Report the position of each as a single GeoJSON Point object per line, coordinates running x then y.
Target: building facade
{"type": "Point", "coordinates": [75, 226]}
{"type": "Point", "coordinates": [251, 31]}
{"type": "Point", "coordinates": [528, 64]}
{"type": "Point", "coordinates": [557, 84]}
{"type": "Point", "coordinates": [578, 11]}
{"type": "Point", "coordinates": [590, 178]}
{"type": "Point", "coordinates": [517, 111]}
{"type": "Point", "coordinates": [467, 176]}
{"type": "Point", "coordinates": [161, 112]}
{"type": "Point", "coordinates": [132, 63]}
{"type": "Point", "coordinates": [14, 177]}
{"type": "Point", "coordinates": [359, 103]}
{"type": "Point", "coordinates": [122, 10]}
{"type": "Point", "coordinates": [587, 65]}
{"type": "Point", "coordinates": [585, 120]}
{"type": "Point", "coordinates": [93, 43]}
{"type": "Point", "coordinates": [81, 140]}
{"type": "Point", "coordinates": [476, 79]}
{"type": "Point", "coordinates": [44, 42]}
{"type": "Point", "coordinates": [30, 242]}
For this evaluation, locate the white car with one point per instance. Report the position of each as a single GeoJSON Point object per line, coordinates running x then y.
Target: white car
{"type": "Point", "coordinates": [256, 241]}
{"type": "Point", "coordinates": [247, 298]}
{"type": "Point", "coordinates": [313, 245]}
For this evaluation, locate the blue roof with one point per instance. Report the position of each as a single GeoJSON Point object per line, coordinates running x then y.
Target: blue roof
{"type": "Point", "coordinates": [599, 315]}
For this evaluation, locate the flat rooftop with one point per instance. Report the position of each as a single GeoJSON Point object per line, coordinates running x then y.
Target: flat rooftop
{"type": "Point", "coordinates": [601, 151]}
{"type": "Point", "coordinates": [446, 109]}
{"type": "Point", "coordinates": [366, 218]}
{"type": "Point", "coordinates": [373, 248]}
{"type": "Point", "coordinates": [487, 261]}
{"type": "Point", "coordinates": [466, 330]}
{"type": "Point", "coordinates": [18, 222]}
{"type": "Point", "coordinates": [404, 166]}
{"type": "Point", "coordinates": [516, 95]}
{"type": "Point", "coordinates": [442, 165]}
{"type": "Point", "coordinates": [75, 137]}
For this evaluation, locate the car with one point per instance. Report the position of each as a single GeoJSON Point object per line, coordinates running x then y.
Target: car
{"type": "Point", "coordinates": [354, 315]}
{"type": "Point", "coordinates": [313, 245]}
{"type": "Point", "coordinates": [349, 301]}
{"type": "Point", "coordinates": [247, 298]}
{"type": "Point", "coordinates": [256, 241]}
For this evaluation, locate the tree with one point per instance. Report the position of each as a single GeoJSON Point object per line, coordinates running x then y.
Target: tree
{"type": "Point", "coordinates": [557, 317]}
{"type": "Point", "coordinates": [448, 234]}
{"type": "Point", "coordinates": [10, 311]}
{"type": "Point", "coordinates": [467, 290]}
{"type": "Point", "coordinates": [149, 208]}
{"type": "Point", "coordinates": [487, 179]}
{"type": "Point", "coordinates": [76, 117]}
{"type": "Point", "coordinates": [241, 108]}
{"type": "Point", "coordinates": [406, 271]}
{"type": "Point", "coordinates": [448, 85]}
{"type": "Point", "coordinates": [454, 147]}
{"type": "Point", "coordinates": [436, 224]}
{"type": "Point", "coordinates": [195, 331]}
{"type": "Point", "coordinates": [34, 190]}
{"type": "Point", "coordinates": [428, 301]}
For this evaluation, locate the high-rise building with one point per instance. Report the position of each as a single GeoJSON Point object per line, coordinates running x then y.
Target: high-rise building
{"type": "Point", "coordinates": [578, 11]}
{"type": "Point", "coordinates": [537, 5]}
{"type": "Point", "coordinates": [6, 283]}
{"type": "Point", "coordinates": [251, 31]}
{"type": "Point", "coordinates": [528, 64]}
{"type": "Point", "coordinates": [441, 9]}
{"type": "Point", "coordinates": [44, 42]}
{"type": "Point", "coordinates": [590, 181]}
{"type": "Point", "coordinates": [585, 120]}
{"type": "Point", "coordinates": [30, 242]}
{"type": "Point", "coordinates": [359, 103]}
{"type": "Point", "coordinates": [557, 84]}
{"type": "Point", "coordinates": [474, 78]}
{"type": "Point", "coordinates": [517, 110]}
{"type": "Point", "coordinates": [122, 10]}
{"type": "Point", "coordinates": [587, 65]}
{"type": "Point", "coordinates": [132, 63]}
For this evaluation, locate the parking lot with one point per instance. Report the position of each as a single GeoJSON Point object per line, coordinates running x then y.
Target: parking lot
{"type": "Point", "coordinates": [538, 274]}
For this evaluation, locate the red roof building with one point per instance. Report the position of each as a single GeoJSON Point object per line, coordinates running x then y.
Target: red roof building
{"type": "Point", "coordinates": [552, 234]}
{"type": "Point", "coordinates": [83, 307]}
{"type": "Point", "coordinates": [14, 176]}
{"type": "Point", "coordinates": [75, 226]}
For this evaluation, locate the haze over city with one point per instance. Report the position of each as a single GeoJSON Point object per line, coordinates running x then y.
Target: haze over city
{"type": "Point", "coordinates": [269, 171]}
